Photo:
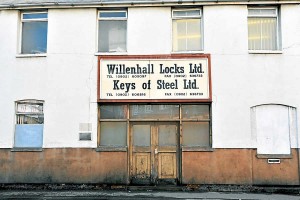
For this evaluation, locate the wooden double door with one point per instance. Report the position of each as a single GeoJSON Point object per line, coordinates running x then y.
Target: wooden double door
{"type": "Point", "coordinates": [154, 153]}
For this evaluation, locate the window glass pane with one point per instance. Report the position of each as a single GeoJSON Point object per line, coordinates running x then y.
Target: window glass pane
{"type": "Point", "coordinates": [268, 33]}
{"type": "Point", "coordinates": [30, 119]}
{"type": "Point", "coordinates": [179, 35]}
{"type": "Point", "coordinates": [141, 135]}
{"type": "Point", "coordinates": [193, 13]}
{"type": "Point", "coordinates": [167, 135]}
{"type": "Point", "coordinates": [113, 134]}
{"type": "Point", "coordinates": [35, 15]}
{"type": "Point", "coordinates": [113, 112]}
{"type": "Point", "coordinates": [179, 13]}
{"type": "Point", "coordinates": [185, 13]}
{"type": "Point", "coordinates": [262, 12]}
{"type": "Point", "coordinates": [253, 11]}
{"type": "Point", "coordinates": [154, 111]}
{"type": "Point", "coordinates": [34, 37]}
{"type": "Point", "coordinates": [193, 35]}
{"type": "Point", "coordinates": [187, 35]}
{"type": "Point", "coordinates": [195, 112]}
{"type": "Point", "coordinates": [196, 134]}
{"type": "Point", "coordinates": [262, 33]}
{"type": "Point", "coordinates": [254, 35]}
{"type": "Point", "coordinates": [112, 14]}
{"type": "Point", "coordinates": [29, 108]}
{"type": "Point", "coordinates": [112, 36]}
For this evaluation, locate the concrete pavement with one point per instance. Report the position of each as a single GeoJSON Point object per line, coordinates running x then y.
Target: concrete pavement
{"type": "Point", "coordinates": [120, 192]}
{"type": "Point", "coordinates": [136, 195]}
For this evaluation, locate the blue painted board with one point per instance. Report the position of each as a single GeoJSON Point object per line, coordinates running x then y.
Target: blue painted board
{"type": "Point", "coordinates": [29, 135]}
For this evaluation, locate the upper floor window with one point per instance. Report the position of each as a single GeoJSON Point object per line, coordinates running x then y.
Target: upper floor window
{"type": "Point", "coordinates": [187, 30]}
{"type": "Point", "coordinates": [34, 32]}
{"type": "Point", "coordinates": [29, 124]}
{"type": "Point", "coordinates": [112, 31]}
{"type": "Point", "coordinates": [263, 33]}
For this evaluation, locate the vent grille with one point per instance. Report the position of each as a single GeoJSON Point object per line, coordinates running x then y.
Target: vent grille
{"type": "Point", "coordinates": [273, 161]}
{"type": "Point", "coordinates": [85, 130]}
{"type": "Point", "coordinates": [85, 136]}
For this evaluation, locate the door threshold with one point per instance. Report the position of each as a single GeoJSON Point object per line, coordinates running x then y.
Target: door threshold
{"type": "Point", "coordinates": [155, 188]}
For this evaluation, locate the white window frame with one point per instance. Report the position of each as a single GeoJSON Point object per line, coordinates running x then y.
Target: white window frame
{"type": "Point", "coordinates": [278, 35]}
{"type": "Point", "coordinates": [200, 16]}
{"type": "Point", "coordinates": [21, 32]}
{"type": "Point", "coordinates": [111, 19]}
{"type": "Point", "coordinates": [31, 112]}
{"type": "Point", "coordinates": [190, 16]}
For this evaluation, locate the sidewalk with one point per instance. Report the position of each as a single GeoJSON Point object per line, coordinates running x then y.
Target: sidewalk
{"type": "Point", "coordinates": [290, 190]}
{"type": "Point", "coordinates": [126, 194]}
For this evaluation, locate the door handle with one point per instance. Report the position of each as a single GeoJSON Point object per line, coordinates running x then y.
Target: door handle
{"type": "Point", "coordinates": [155, 151]}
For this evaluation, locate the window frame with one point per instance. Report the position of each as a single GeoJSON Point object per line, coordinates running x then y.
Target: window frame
{"type": "Point", "coordinates": [278, 30]}
{"type": "Point", "coordinates": [18, 113]}
{"type": "Point", "coordinates": [22, 20]}
{"type": "Point", "coordinates": [200, 16]}
{"type": "Point", "coordinates": [111, 19]}
{"type": "Point", "coordinates": [180, 120]}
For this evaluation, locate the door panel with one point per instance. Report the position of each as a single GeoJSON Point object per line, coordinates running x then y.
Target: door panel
{"type": "Point", "coordinates": [142, 165]}
{"type": "Point", "coordinates": [167, 151]}
{"type": "Point", "coordinates": [141, 154]}
{"type": "Point", "coordinates": [154, 152]}
{"type": "Point", "coordinates": [167, 165]}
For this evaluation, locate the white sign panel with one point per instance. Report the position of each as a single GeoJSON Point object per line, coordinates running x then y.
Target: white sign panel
{"type": "Point", "coordinates": [154, 79]}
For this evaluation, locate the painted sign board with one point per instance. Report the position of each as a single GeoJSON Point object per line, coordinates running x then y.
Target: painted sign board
{"type": "Point", "coordinates": [154, 79]}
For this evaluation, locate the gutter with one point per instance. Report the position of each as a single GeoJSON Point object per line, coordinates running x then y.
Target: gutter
{"type": "Point", "coordinates": [128, 3]}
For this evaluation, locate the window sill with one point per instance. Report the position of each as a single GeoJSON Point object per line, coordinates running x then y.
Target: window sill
{"type": "Point", "coordinates": [188, 52]}
{"type": "Point", "coordinates": [264, 156]}
{"type": "Point", "coordinates": [111, 149]}
{"type": "Point", "coordinates": [195, 148]}
{"type": "Point", "coordinates": [265, 52]}
{"type": "Point", "coordinates": [15, 149]}
{"type": "Point", "coordinates": [31, 55]}
{"type": "Point", "coordinates": [111, 53]}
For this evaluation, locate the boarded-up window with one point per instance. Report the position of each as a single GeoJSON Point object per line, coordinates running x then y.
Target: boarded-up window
{"type": "Point", "coordinates": [29, 124]}
{"type": "Point", "coordinates": [272, 125]}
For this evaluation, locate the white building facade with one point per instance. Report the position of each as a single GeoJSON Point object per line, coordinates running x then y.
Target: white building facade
{"type": "Point", "coordinates": [209, 92]}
